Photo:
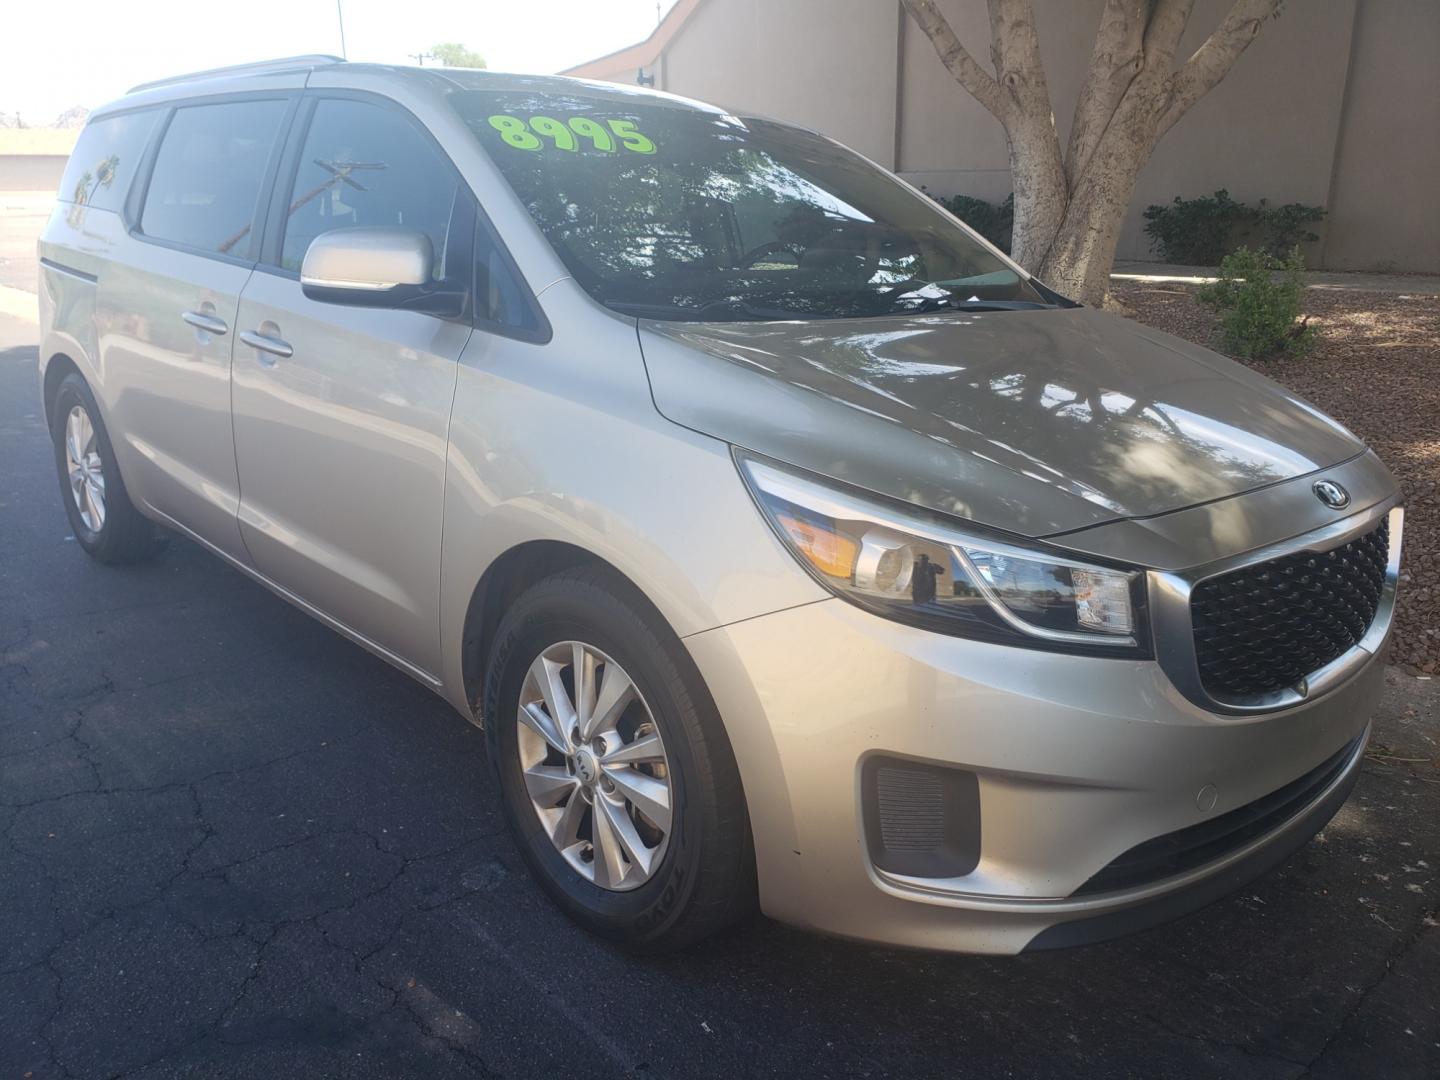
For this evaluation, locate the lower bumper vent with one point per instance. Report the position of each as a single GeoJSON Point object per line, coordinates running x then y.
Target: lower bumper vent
{"type": "Point", "coordinates": [921, 820]}
{"type": "Point", "coordinates": [1196, 845]}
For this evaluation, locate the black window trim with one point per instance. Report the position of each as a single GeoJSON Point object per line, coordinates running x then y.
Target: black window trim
{"type": "Point", "coordinates": [541, 333]}
{"type": "Point", "coordinates": [133, 208]}
{"type": "Point", "coordinates": [272, 229]}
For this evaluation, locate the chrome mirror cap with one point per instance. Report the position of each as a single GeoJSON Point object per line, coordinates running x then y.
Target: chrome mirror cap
{"type": "Point", "coordinates": [367, 259]}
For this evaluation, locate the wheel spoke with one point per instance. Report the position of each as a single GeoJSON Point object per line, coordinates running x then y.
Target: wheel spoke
{"type": "Point", "coordinates": [623, 830]}
{"type": "Point", "coordinates": [74, 445]}
{"type": "Point", "coordinates": [566, 830]}
{"type": "Point", "coordinates": [616, 693]}
{"type": "Point", "coordinates": [88, 509]}
{"type": "Point", "coordinates": [549, 784]}
{"type": "Point", "coordinates": [646, 748]}
{"type": "Point", "coordinates": [537, 720]}
{"type": "Point", "coordinates": [546, 673]}
{"type": "Point", "coordinates": [609, 860]}
{"type": "Point", "coordinates": [582, 667]}
{"type": "Point", "coordinates": [96, 493]}
{"type": "Point", "coordinates": [650, 796]}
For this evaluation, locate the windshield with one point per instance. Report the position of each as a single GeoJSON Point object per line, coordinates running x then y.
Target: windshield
{"type": "Point", "coordinates": [677, 213]}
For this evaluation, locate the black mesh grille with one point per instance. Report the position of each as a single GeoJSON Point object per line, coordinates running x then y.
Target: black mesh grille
{"type": "Point", "coordinates": [1266, 627]}
{"type": "Point", "coordinates": [911, 803]}
{"type": "Point", "coordinates": [921, 819]}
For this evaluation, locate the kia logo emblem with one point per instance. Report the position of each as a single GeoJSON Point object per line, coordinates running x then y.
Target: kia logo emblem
{"type": "Point", "coordinates": [1332, 494]}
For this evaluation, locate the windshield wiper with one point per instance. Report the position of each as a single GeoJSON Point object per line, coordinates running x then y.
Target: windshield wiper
{"type": "Point", "coordinates": [922, 305]}
{"type": "Point", "coordinates": [715, 310]}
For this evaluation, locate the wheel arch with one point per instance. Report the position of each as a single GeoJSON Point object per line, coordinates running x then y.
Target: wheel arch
{"type": "Point", "coordinates": [510, 574]}
{"type": "Point", "coordinates": [56, 368]}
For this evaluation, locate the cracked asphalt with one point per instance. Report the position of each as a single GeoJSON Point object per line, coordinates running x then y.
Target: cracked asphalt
{"type": "Point", "coordinates": [235, 845]}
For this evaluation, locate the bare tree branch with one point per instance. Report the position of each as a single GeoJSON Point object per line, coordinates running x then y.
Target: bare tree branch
{"type": "Point", "coordinates": [1118, 56]}
{"type": "Point", "coordinates": [969, 74]}
{"type": "Point", "coordinates": [1015, 52]}
{"type": "Point", "coordinates": [1213, 59]}
{"type": "Point", "coordinates": [1167, 24]}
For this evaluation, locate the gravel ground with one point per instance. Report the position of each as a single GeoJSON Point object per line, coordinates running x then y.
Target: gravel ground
{"type": "Point", "coordinates": [1374, 368]}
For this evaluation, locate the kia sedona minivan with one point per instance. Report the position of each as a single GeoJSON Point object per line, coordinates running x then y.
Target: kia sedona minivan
{"type": "Point", "coordinates": [792, 545]}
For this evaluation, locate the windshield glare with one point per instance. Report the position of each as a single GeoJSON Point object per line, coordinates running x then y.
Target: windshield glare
{"type": "Point", "coordinates": [669, 212]}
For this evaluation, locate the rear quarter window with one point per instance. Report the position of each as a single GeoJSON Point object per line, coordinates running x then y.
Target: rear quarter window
{"type": "Point", "coordinates": [105, 159]}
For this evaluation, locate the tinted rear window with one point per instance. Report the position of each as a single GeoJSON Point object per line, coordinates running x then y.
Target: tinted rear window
{"type": "Point", "coordinates": [105, 158]}
{"type": "Point", "coordinates": [207, 176]}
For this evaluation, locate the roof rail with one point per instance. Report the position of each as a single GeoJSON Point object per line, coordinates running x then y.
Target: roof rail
{"type": "Point", "coordinates": [259, 67]}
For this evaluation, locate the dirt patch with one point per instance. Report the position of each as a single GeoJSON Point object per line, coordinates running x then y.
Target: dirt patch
{"type": "Point", "coordinates": [1376, 369]}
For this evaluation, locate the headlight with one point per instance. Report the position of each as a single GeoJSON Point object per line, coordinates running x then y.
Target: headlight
{"type": "Point", "coordinates": [946, 578]}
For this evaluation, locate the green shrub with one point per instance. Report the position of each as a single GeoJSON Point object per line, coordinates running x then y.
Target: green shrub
{"type": "Point", "coordinates": [1282, 228]}
{"type": "Point", "coordinates": [1199, 232]}
{"type": "Point", "coordinates": [1196, 232]}
{"type": "Point", "coordinates": [994, 223]}
{"type": "Point", "coordinates": [1257, 298]}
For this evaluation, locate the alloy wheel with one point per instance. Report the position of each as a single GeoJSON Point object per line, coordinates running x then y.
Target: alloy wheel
{"type": "Point", "coordinates": [594, 765]}
{"type": "Point", "coordinates": [85, 468]}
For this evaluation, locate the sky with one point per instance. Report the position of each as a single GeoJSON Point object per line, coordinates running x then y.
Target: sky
{"type": "Point", "coordinates": [85, 52]}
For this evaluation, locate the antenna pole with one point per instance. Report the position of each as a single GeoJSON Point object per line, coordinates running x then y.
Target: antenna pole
{"type": "Point", "coordinates": [340, 14]}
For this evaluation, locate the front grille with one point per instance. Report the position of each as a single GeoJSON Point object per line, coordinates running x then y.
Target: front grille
{"type": "Point", "coordinates": [1177, 852]}
{"type": "Point", "coordinates": [1266, 627]}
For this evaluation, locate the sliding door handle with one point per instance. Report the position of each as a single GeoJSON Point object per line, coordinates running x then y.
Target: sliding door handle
{"type": "Point", "coordinates": [267, 344]}
{"type": "Point", "coordinates": [208, 323]}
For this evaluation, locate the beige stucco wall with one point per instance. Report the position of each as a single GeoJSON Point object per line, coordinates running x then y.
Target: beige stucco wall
{"type": "Point", "coordinates": [1337, 103]}
{"type": "Point", "coordinates": [1385, 199]}
{"type": "Point", "coordinates": [826, 64]}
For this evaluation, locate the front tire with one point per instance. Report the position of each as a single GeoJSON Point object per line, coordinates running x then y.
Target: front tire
{"type": "Point", "coordinates": [104, 521]}
{"type": "Point", "coordinates": [615, 773]}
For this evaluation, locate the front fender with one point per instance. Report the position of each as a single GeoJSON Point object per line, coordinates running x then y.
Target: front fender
{"type": "Point", "coordinates": [561, 442]}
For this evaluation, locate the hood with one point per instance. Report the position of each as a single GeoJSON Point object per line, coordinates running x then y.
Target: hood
{"type": "Point", "coordinates": [1036, 422]}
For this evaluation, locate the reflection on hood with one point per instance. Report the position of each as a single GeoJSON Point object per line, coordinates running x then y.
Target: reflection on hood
{"type": "Point", "coordinates": [1036, 422]}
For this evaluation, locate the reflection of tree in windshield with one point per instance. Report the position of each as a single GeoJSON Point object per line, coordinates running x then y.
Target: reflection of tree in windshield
{"type": "Point", "coordinates": [730, 218]}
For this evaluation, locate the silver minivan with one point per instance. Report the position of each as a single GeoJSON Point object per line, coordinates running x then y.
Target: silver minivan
{"type": "Point", "coordinates": [791, 544]}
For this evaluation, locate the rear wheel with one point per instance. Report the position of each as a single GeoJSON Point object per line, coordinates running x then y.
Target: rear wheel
{"type": "Point", "coordinates": [104, 521]}
{"type": "Point", "coordinates": [616, 776]}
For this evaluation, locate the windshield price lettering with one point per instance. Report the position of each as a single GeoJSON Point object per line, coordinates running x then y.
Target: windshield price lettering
{"type": "Point", "coordinates": [566, 134]}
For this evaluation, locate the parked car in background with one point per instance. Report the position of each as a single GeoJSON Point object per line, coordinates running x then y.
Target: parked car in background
{"type": "Point", "coordinates": [790, 542]}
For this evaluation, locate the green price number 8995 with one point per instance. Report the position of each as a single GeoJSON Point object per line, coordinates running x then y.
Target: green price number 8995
{"type": "Point", "coordinates": [565, 134]}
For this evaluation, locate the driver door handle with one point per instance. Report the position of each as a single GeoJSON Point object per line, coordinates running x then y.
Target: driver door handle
{"type": "Point", "coordinates": [209, 323]}
{"type": "Point", "coordinates": [267, 344]}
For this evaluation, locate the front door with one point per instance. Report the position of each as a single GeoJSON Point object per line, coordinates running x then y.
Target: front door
{"type": "Point", "coordinates": [166, 313]}
{"type": "Point", "coordinates": [341, 414]}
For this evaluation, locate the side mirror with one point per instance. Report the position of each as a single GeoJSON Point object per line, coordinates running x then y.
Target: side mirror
{"type": "Point", "coordinates": [378, 268]}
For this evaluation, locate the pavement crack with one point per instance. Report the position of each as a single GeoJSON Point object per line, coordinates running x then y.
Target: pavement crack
{"type": "Point", "coordinates": [1425, 922]}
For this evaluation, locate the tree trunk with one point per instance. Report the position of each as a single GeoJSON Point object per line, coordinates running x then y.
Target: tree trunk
{"type": "Point", "coordinates": [1038, 179]}
{"type": "Point", "coordinates": [1069, 208]}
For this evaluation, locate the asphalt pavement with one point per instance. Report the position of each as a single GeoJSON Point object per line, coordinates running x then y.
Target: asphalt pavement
{"type": "Point", "coordinates": [234, 845]}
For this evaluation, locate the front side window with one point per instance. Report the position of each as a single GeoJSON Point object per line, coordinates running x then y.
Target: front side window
{"type": "Point", "coordinates": [104, 160]}
{"type": "Point", "coordinates": [363, 164]}
{"type": "Point", "coordinates": [673, 212]}
{"type": "Point", "coordinates": [208, 173]}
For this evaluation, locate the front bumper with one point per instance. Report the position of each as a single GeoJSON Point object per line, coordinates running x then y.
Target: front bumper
{"type": "Point", "coordinates": [1078, 760]}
